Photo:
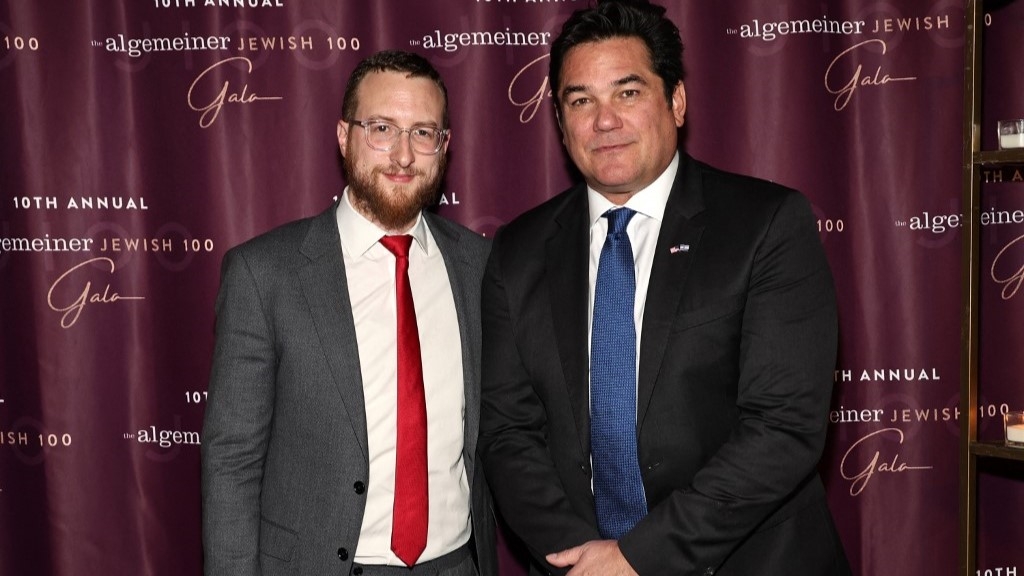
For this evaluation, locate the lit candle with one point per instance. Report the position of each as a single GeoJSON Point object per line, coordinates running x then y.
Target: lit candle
{"type": "Point", "coordinates": [1011, 141]}
{"type": "Point", "coordinates": [1015, 433]}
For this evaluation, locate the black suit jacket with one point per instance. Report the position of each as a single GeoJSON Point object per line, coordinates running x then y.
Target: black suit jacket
{"type": "Point", "coordinates": [736, 364]}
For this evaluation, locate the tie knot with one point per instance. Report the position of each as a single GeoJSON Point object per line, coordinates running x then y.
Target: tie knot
{"type": "Point", "coordinates": [397, 245]}
{"type": "Point", "coordinates": [618, 219]}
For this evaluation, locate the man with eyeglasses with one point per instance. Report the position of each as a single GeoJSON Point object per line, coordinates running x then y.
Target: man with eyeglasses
{"type": "Point", "coordinates": [341, 426]}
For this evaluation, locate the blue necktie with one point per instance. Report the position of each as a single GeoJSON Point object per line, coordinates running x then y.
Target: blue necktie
{"type": "Point", "coordinates": [618, 488]}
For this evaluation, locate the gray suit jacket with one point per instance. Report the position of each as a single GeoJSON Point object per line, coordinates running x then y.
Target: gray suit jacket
{"type": "Point", "coordinates": [284, 448]}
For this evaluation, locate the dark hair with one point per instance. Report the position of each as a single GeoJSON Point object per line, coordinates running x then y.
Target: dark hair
{"type": "Point", "coordinates": [622, 19]}
{"type": "Point", "coordinates": [414, 66]}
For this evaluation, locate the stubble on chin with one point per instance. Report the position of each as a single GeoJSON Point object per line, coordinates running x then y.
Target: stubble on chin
{"type": "Point", "coordinates": [388, 208]}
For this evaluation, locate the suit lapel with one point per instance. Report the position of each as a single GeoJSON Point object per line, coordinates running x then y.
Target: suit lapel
{"type": "Point", "coordinates": [678, 243]}
{"type": "Point", "coordinates": [566, 265]}
{"type": "Point", "coordinates": [455, 261]}
{"type": "Point", "coordinates": [325, 287]}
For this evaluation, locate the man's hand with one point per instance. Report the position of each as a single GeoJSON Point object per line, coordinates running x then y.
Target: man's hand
{"type": "Point", "coordinates": [597, 557]}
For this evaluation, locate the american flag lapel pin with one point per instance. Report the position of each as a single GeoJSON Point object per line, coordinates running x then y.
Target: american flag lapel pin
{"type": "Point", "coordinates": [679, 248]}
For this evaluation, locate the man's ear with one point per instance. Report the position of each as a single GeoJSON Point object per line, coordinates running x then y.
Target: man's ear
{"type": "Point", "coordinates": [444, 145]}
{"type": "Point", "coordinates": [343, 137]}
{"type": "Point", "coordinates": [679, 104]}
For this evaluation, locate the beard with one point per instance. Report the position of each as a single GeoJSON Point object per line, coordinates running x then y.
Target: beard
{"type": "Point", "coordinates": [389, 208]}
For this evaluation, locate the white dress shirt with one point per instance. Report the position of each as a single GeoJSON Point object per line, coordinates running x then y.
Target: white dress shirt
{"type": "Point", "coordinates": [649, 205]}
{"type": "Point", "coordinates": [370, 269]}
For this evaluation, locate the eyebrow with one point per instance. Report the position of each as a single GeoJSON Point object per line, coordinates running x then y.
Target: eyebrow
{"type": "Point", "coordinates": [629, 79]}
{"type": "Point", "coordinates": [389, 119]}
{"type": "Point", "coordinates": [378, 118]}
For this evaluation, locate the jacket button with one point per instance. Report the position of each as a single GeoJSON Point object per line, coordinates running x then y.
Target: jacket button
{"type": "Point", "coordinates": [357, 571]}
{"type": "Point", "coordinates": [359, 487]}
{"type": "Point", "coordinates": [342, 554]}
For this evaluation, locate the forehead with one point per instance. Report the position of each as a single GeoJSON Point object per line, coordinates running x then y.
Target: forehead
{"type": "Point", "coordinates": [595, 64]}
{"type": "Point", "coordinates": [395, 96]}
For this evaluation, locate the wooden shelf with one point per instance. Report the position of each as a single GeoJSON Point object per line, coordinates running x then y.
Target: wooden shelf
{"type": "Point", "coordinates": [999, 157]}
{"type": "Point", "coordinates": [993, 450]}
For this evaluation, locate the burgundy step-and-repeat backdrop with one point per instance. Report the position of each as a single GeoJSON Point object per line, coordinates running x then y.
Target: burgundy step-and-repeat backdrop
{"type": "Point", "coordinates": [141, 139]}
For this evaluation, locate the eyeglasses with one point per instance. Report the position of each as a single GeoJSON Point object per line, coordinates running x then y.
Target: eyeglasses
{"type": "Point", "coordinates": [383, 136]}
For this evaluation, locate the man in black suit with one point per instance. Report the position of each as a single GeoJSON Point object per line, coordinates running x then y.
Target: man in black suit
{"type": "Point", "coordinates": [341, 340]}
{"type": "Point", "coordinates": [666, 415]}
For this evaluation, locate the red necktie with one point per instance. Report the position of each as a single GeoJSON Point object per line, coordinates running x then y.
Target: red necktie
{"type": "Point", "coordinates": [409, 530]}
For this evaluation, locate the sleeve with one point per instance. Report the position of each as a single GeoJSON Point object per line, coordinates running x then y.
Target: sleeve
{"type": "Point", "coordinates": [514, 432]}
{"type": "Point", "coordinates": [236, 425]}
{"type": "Point", "coordinates": [787, 356]}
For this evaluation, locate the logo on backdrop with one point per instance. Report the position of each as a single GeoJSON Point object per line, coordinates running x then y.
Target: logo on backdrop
{"type": "Point", "coordinates": [770, 31]}
{"type": "Point", "coordinates": [899, 376]}
{"type": "Point", "coordinates": [887, 452]}
{"type": "Point", "coordinates": [879, 442]}
{"type": "Point", "coordinates": [165, 443]}
{"type": "Point", "coordinates": [529, 85]}
{"type": "Point", "coordinates": [865, 64]}
{"type": "Point", "coordinates": [846, 415]}
{"type": "Point", "coordinates": [836, 82]}
{"type": "Point", "coordinates": [876, 453]}
{"type": "Point", "coordinates": [31, 441]}
{"type": "Point", "coordinates": [65, 298]}
{"type": "Point", "coordinates": [1007, 269]}
{"type": "Point", "coordinates": [137, 47]}
{"type": "Point", "coordinates": [88, 269]}
{"type": "Point", "coordinates": [911, 374]}
{"type": "Point", "coordinates": [218, 3]}
{"type": "Point", "coordinates": [209, 102]}
{"type": "Point", "coordinates": [1002, 175]}
{"type": "Point", "coordinates": [453, 41]}
{"type": "Point", "coordinates": [234, 79]}
{"type": "Point", "coordinates": [519, 89]}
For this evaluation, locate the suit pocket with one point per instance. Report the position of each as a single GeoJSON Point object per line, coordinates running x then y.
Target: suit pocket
{"type": "Point", "coordinates": [277, 541]}
{"type": "Point", "coordinates": [716, 310]}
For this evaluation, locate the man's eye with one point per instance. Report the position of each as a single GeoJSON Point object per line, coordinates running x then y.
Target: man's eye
{"type": "Point", "coordinates": [632, 93]}
{"type": "Point", "coordinates": [381, 128]}
{"type": "Point", "coordinates": [577, 102]}
{"type": "Point", "coordinates": [425, 133]}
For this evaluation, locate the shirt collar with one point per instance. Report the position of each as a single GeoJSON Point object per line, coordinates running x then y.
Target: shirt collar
{"type": "Point", "coordinates": [650, 201]}
{"type": "Point", "coordinates": [358, 234]}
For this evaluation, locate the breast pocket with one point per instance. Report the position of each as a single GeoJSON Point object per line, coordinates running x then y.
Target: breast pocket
{"type": "Point", "coordinates": [712, 312]}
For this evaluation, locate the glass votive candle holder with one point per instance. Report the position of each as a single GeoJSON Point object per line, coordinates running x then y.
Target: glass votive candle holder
{"type": "Point", "coordinates": [1013, 426]}
{"type": "Point", "coordinates": [1011, 134]}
